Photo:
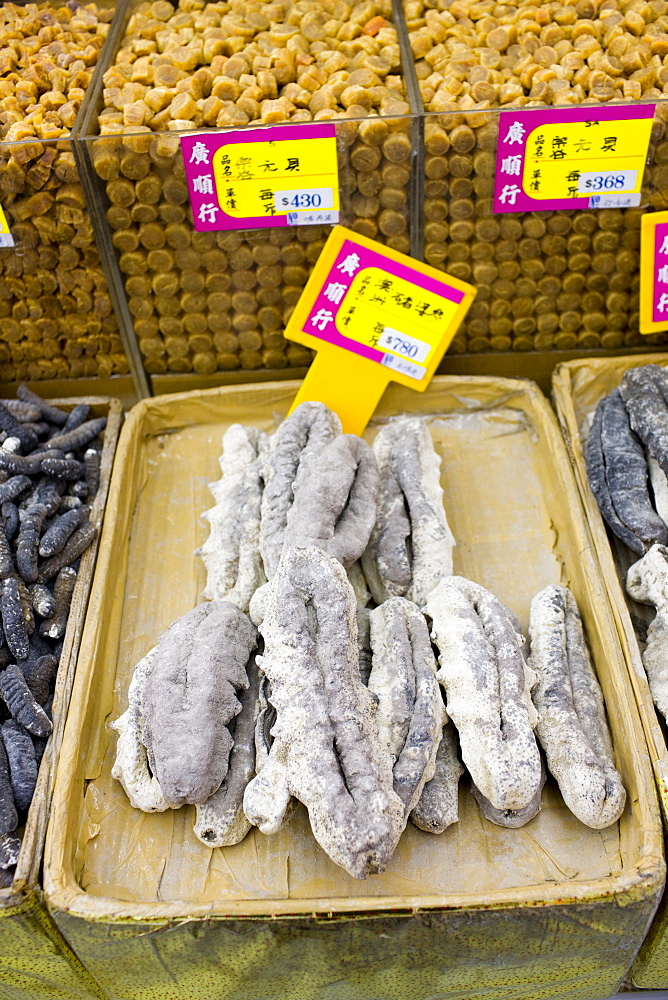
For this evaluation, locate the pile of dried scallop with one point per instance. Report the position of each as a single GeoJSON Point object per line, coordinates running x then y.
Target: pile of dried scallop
{"type": "Point", "coordinates": [309, 673]}
{"type": "Point", "coordinates": [218, 301]}
{"type": "Point", "coordinates": [55, 310]}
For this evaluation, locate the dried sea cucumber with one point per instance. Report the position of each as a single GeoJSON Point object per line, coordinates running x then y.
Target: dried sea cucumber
{"type": "Point", "coordinates": [326, 750]}
{"type": "Point", "coordinates": [647, 581]}
{"type": "Point", "coordinates": [299, 438]}
{"type": "Point", "coordinates": [190, 696]}
{"type": "Point", "coordinates": [438, 805]}
{"type": "Point", "coordinates": [572, 728]}
{"type": "Point", "coordinates": [410, 549]}
{"type": "Point", "coordinates": [487, 684]}
{"type": "Point", "coordinates": [221, 820]}
{"type": "Point", "coordinates": [231, 553]}
{"type": "Point", "coordinates": [618, 474]}
{"type": "Point", "coordinates": [335, 500]}
{"type": "Point", "coordinates": [510, 818]}
{"type": "Point", "coordinates": [410, 707]}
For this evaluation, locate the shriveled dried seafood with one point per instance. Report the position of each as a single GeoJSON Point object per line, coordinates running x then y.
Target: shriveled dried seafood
{"type": "Point", "coordinates": [335, 499]}
{"type": "Point", "coordinates": [511, 818]}
{"type": "Point", "coordinates": [181, 699]}
{"type": "Point", "coordinates": [231, 553]}
{"type": "Point", "coordinates": [326, 750]}
{"type": "Point", "coordinates": [221, 820]}
{"type": "Point", "coordinates": [647, 582]}
{"type": "Point", "coordinates": [438, 805]}
{"type": "Point", "coordinates": [410, 549]}
{"type": "Point", "coordinates": [299, 438]}
{"type": "Point", "coordinates": [645, 393]}
{"type": "Point", "coordinates": [410, 707]}
{"type": "Point", "coordinates": [618, 475]}
{"type": "Point", "coordinates": [487, 684]}
{"type": "Point", "coordinates": [572, 727]}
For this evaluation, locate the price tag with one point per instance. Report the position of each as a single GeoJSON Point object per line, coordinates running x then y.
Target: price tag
{"type": "Point", "coordinates": [654, 272]}
{"type": "Point", "coordinates": [6, 238]}
{"type": "Point", "coordinates": [591, 157]}
{"type": "Point", "coordinates": [374, 316]}
{"type": "Point", "coordinates": [255, 178]}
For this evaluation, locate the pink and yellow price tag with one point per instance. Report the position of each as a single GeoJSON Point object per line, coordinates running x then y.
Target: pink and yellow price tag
{"type": "Point", "coordinates": [6, 238]}
{"type": "Point", "coordinates": [654, 272]}
{"type": "Point", "coordinates": [254, 178]}
{"type": "Point", "coordinates": [374, 316]}
{"type": "Point", "coordinates": [591, 157]}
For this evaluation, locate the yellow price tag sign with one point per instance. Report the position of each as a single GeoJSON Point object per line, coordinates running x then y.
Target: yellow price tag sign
{"type": "Point", "coordinates": [654, 272]}
{"type": "Point", "coordinates": [591, 157]}
{"type": "Point", "coordinates": [259, 177]}
{"type": "Point", "coordinates": [374, 316]}
{"type": "Point", "coordinates": [6, 238]}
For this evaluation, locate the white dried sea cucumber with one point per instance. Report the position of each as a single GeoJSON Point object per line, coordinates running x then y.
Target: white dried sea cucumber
{"type": "Point", "coordinates": [326, 750]}
{"type": "Point", "coordinates": [221, 820]}
{"type": "Point", "coordinates": [487, 684]}
{"type": "Point", "coordinates": [410, 707]}
{"type": "Point", "coordinates": [618, 474]}
{"type": "Point", "coordinates": [513, 819]}
{"type": "Point", "coordinates": [438, 805]}
{"type": "Point", "coordinates": [189, 697]}
{"type": "Point", "coordinates": [335, 499]}
{"type": "Point", "coordinates": [131, 763]}
{"type": "Point", "coordinates": [231, 553]}
{"type": "Point", "coordinates": [647, 582]}
{"type": "Point", "coordinates": [572, 726]}
{"type": "Point", "coordinates": [297, 440]}
{"type": "Point", "coordinates": [410, 549]}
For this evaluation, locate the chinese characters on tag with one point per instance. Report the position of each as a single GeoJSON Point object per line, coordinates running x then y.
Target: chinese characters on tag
{"type": "Point", "coordinates": [256, 178]}
{"type": "Point", "coordinates": [579, 158]}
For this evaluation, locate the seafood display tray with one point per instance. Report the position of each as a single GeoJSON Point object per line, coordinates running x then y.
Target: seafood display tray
{"type": "Point", "coordinates": [577, 388]}
{"type": "Point", "coordinates": [35, 961]}
{"type": "Point", "coordinates": [153, 914]}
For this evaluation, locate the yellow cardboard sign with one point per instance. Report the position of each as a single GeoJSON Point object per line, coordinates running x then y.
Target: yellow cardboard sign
{"type": "Point", "coordinates": [373, 315]}
{"type": "Point", "coordinates": [6, 238]}
{"type": "Point", "coordinates": [654, 272]}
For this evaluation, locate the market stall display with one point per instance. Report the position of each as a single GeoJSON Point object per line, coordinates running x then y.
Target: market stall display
{"type": "Point", "coordinates": [57, 315]}
{"type": "Point", "coordinates": [207, 302]}
{"type": "Point", "coordinates": [249, 907]}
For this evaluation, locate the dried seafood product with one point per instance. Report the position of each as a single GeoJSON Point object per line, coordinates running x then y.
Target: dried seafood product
{"type": "Point", "coordinates": [181, 700]}
{"type": "Point", "coordinates": [221, 820]}
{"type": "Point", "coordinates": [438, 805]}
{"type": "Point", "coordinates": [618, 475]}
{"type": "Point", "coordinates": [572, 727]}
{"type": "Point", "coordinates": [326, 750]}
{"type": "Point", "coordinates": [645, 393]}
{"type": "Point", "coordinates": [511, 818]}
{"type": "Point", "coordinates": [335, 499]}
{"type": "Point", "coordinates": [647, 582]}
{"type": "Point", "coordinates": [298, 439]}
{"type": "Point", "coordinates": [231, 553]}
{"type": "Point", "coordinates": [410, 549]}
{"type": "Point", "coordinates": [410, 707]}
{"type": "Point", "coordinates": [487, 684]}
